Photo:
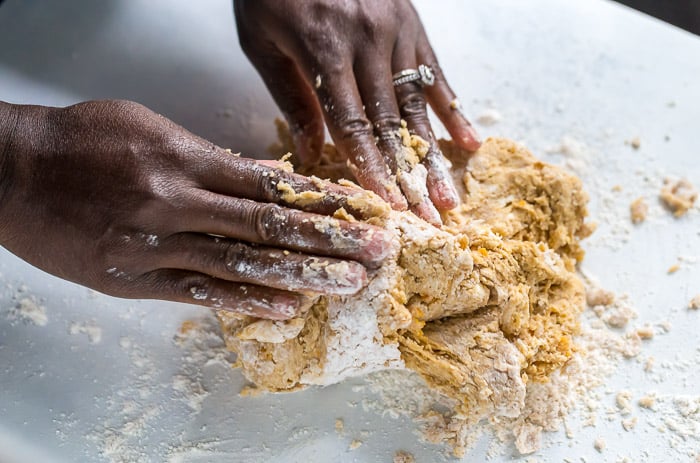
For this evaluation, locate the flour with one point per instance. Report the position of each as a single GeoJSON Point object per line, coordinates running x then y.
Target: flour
{"type": "Point", "coordinates": [93, 332]}
{"type": "Point", "coordinates": [28, 310]}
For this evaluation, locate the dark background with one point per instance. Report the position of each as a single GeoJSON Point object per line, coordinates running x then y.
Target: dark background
{"type": "Point", "coordinates": [682, 13]}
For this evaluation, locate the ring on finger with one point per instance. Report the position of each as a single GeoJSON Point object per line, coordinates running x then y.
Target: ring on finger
{"type": "Point", "coordinates": [424, 75]}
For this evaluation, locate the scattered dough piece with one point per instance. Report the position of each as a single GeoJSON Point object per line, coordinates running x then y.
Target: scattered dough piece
{"type": "Point", "coordinates": [679, 196]}
{"type": "Point", "coordinates": [339, 426]}
{"type": "Point", "coordinates": [635, 143]}
{"type": "Point", "coordinates": [648, 401]}
{"type": "Point", "coordinates": [404, 457]}
{"type": "Point", "coordinates": [673, 269]}
{"type": "Point", "coordinates": [599, 444]}
{"type": "Point", "coordinates": [29, 311]}
{"type": "Point", "coordinates": [629, 423]}
{"type": "Point", "coordinates": [645, 332]}
{"type": "Point", "coordinates": [623, 400]}
{"type": "Point", "coordinates": [599, 296]}
{"type": "Point", "coordinates": [694, 302]}
{"type": "Point", "coordinates": [355, 444]}
{"type": "Point", "coordinates": [639, 210]}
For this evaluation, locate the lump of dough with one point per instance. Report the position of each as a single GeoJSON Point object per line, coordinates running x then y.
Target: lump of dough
{"type": "Point", "coordinates": [479, 308]}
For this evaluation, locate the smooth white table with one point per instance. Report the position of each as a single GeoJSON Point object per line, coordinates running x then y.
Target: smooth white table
{"type": "Point", "coordinates": [585, 70]}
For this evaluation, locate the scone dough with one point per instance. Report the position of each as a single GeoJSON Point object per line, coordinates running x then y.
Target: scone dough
{"type": "Point", "coordinates": [478, 308]}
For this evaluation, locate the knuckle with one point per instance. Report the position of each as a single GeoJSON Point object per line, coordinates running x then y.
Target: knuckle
{"type": "Point", "coordinates": [350, 125]}
{"type": "Point", "coordinates": [412, 103]}
{"type": "Point", "coordinates": [270, 222]}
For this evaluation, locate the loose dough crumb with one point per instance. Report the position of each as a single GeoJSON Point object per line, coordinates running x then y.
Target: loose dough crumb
{"type": "Point", "coordinates": [629, 423]}
{"type": "Point", "coordinates": [694, 302]}
{"type": "Point", "coordinates": [29, 310]}
{"type": "Point", "coordinates": [648, 401]}
{"type": "Point", "coordinates": [673, 269]}
{"type": "Point", "coordinates": [599, 444]}
{"type": "Point", "coordinates": [679, 196]}
{"type": "Point", "coordinates": [403, 457]}
{"type": "Point", "coordinates": [639, 210]}
{"type": "Point", "coordinates": [339, 426]}
{"type": "Point", "coordinates": [355, 444]}
{"type": "Point", "coordinates": [635, 143]}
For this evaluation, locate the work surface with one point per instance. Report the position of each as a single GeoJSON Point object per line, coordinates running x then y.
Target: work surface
{"type": "Point", "coordinates": [573, 80]}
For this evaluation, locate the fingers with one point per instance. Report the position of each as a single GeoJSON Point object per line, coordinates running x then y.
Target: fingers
{"type": "Point", "coordinates": [439, 190]}
{"type": "Point", "coordinates": [352, 132]}
{"type": "Point", "coordinates": [374, 80]}
{"type": "Point", "coordinates": [295, 99]}
{"type": "Point", "coordinates": [258, 265]}
{"type": "Point", "coordinates": [444, 101]}
{"type": "Point", "coordinates": [226, 174]}
{"type": "Point", "coordinates": [200, 289]}
{"type": "Point", "coordinates": [286, 228]}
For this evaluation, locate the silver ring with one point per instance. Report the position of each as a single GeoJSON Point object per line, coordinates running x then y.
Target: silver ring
{"type": "Point", "coordinates": [423, 76]}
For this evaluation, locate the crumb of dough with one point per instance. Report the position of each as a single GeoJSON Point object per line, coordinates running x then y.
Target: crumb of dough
{"type": "Point", "coordinates": [679, 196]}
{"type": "Point", "coordinates": [93, 332]}
{"type": "Point", "coordinates": [635, 143]}
{"type": "Point", "coordinates": [616, 188]}
{"type": "Point", "coordinates": [355, 444]}
{"type": "Point", "coordinates": [599, 444]}
{"type": "Point", "coordinates": [29, 310]}
{"type": "Point", "coordinates": [649, 364]}
{"type": "Point", "coordinates": [339, 426]}
{"type": "Point", "coordinates": [673, 269]}
{"type": "Point", "coordinates": [645, 332]}
{"type": "Point", "coordinates": [629, 424]}
{"type": "Point", "coordinates": [599, 296]}
{"type": "Point", "coordinates": [403, 457]}
{"type": "Point", "coordinates": [694, 302]}
{"type": "Point", "coordinates": [648, 401]}
{"type": "Point", "coordinates": [480, 308]}
{"type": "Point", "coordinates": [623, 400]}
{"type": "Point", "coordinates": [639, 210]}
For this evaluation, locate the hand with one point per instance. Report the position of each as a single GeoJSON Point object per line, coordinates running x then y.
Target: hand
{"type": "Point", "coordinates": [334, 60]}
{"type": "Point", "coordinates": [115, 197]}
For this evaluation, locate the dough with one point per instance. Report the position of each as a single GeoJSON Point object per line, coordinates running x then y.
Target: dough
{"type": "Point", "coordinates": [478, 308]}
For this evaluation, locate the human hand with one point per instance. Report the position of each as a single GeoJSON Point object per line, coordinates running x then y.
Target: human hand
{"type": "Point", "coordinates": [334, 60]}
{"type": "Point", "coordinates": [115, 197]}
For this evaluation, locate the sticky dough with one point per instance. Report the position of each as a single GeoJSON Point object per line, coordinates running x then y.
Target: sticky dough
{"type": "Point", "coordinates": [478, 308]}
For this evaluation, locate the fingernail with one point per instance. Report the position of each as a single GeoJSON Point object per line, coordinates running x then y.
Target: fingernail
{"type": "Point", "coordinates": [380, 246]}
{"type": "Point", "coordinates": [471, 140]}
{"type": "Point", "coordinates": [345, 278]}
{"type": "Point", "coordinates": [283, 307]}
{"type": "Point", "coordinates": [447, 197]}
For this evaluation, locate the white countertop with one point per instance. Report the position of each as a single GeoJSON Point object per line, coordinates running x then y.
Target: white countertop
{"type": "Point", "coordinates": [585, 73]}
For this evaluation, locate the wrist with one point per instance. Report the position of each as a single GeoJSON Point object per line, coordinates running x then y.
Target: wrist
{"type": "Point", "coordinates": [9, 119]}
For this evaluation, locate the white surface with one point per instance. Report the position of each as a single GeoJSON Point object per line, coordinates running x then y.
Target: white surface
{"type": "Point", "coordinates": [588, 70]}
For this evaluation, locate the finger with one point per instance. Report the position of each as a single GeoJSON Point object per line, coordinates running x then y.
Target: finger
{"type": "Point", "coordinates": [351, 130]}
{"type": "Point", "coordinates": [436, 188]}
{"type": "Point", "coordinates": [374, 80]}
{"type": "Point", "coordinates": [263, 266]}
{"type": "Point", "coordinates": [286, 228]}
{"type": "Point", "coordinates": [294, 96]}
{"type": "Point", "coordinates": [200, 289]}
{"type": "Point", "coordinates": [444, 101]}
{"type": "Point", "coordinates": [238, 177]}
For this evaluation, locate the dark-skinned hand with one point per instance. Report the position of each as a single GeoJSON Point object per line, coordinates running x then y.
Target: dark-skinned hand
{"type": "Point", "coordinates": [117, 198]}
{"type": "Point", "coordinates": [333, 61]}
